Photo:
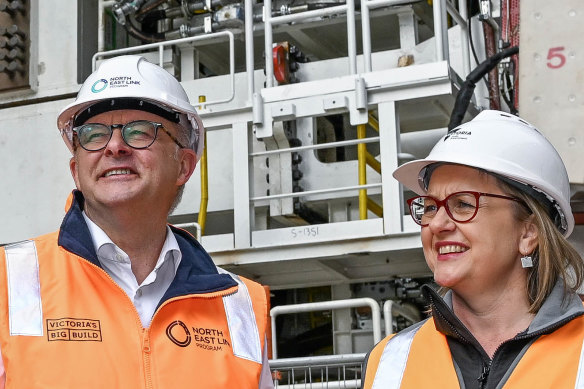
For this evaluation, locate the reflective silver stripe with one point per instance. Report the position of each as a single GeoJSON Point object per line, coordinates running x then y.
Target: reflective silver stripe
{"type": "Point", "coordinates": [24, 289]}
{"type": "Point", "coordinates": [580, 376]}
{"type": "Point", "coordinates": [243, 327]}
{"type": "Point", "coordinates": [393, 361]}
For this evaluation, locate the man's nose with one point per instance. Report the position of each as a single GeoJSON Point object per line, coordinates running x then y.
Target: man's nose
{"type": "Point", "coordinates": [117, 146]}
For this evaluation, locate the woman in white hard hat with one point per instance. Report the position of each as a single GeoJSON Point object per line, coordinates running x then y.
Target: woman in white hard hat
{"type": "Point", "coordinates": [494, 211]}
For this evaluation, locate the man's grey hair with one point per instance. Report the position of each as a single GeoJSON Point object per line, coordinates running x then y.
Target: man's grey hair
{"type": "Point", "coordinates": [184, 136]}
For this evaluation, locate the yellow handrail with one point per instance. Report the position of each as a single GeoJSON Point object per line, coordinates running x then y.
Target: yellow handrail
{"type": "Point", "coordinates": [361, 152]}
{"type": "Point", "coordinates": [365, 158]}
{"type": "Point", "coordinates": [371, 161]}
{"type": "Point", "coordinates": [373, 122]}
{"type": "Point", "coordinates": [204, 183]}
{"type": "Point", "coordinates": [374, 207]}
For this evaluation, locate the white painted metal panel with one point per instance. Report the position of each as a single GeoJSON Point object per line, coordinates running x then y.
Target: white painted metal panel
{"type": "Point", "coordinates": [551, 79]}
{"type": "Point", "coordinates": [35, 171]}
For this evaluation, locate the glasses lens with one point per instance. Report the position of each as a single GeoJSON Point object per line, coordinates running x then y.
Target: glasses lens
{"type": "Point", "coordinates": [139, 134]}
{"type": "Point", "coordinates": [423, 209]}
{"type": "Point", "coordinates": [93, 136]}
{"type": "Point", "coordinates": [462, 206]}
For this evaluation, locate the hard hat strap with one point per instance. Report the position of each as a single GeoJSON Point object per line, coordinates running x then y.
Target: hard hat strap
{"type": "Point", "coordinates": [123, 104]}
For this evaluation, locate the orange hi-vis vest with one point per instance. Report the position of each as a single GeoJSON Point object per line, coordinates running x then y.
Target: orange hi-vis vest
{"type": "Point", "coordinates": [64, 323]}
{"type": "Point", "coordinates": [419, 357]}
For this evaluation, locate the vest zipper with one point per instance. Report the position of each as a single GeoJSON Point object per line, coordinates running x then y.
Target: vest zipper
{"type": "Point", "coordinates": [145, 331]}
{"type": "Point", "coordinates": [146, 357]}
{"type": "Point", "coordinates": [484, 375]}
{"type": "Point", "coordinates": [146, 352]}
{"type": "Point", "coordinates": [119, 288]}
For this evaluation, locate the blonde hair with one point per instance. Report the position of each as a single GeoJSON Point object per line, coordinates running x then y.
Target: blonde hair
{"type": "Point", "coordinates": [554, 258]}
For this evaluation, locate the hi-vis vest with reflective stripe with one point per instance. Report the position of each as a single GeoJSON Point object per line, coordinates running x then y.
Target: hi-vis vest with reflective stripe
{"type": "Point", "coordinates": [420, 358]}
{"type": "Point", "coordinates": [64, 323]}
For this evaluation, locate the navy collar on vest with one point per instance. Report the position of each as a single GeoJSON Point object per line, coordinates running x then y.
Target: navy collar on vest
{"type": "Point", "coordinates": [196, 272]}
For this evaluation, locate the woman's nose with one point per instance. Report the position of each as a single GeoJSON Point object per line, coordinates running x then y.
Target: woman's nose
{"type": "Point", "coordinates": [441, 221]}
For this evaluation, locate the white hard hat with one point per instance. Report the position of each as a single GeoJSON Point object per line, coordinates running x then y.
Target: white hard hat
{"type": "Point", "coordinates": [511, 149]}
{"type": "Point", "coordinates": [131, 82]}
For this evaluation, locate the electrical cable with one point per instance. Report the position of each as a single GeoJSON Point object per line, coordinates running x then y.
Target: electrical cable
{"type": "Point", "coordinates": [467, 89]}
{"type": "Point", "coordinates": [507, 90]}
{"type": "Point", "coordinates": [472, 48]}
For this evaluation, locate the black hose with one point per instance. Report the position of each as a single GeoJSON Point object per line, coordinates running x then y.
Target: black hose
{"type": "Point", "coordinates": [467, 89]}
{"type": "Point", "coordinates": [146, 8]}
{"type": "Point", "coordinates": [149, 21]}
{"type": "Point", "coordinates": [138, 34]}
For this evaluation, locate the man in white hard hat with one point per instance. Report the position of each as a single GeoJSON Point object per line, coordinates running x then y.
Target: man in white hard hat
{"type": "Point", "coordinates": [117, 298]}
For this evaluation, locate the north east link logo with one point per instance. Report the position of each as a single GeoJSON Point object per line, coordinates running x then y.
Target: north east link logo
{"type": "Point", "coordinates": [204, 338]}
{"type": "Point", "coordinates": [113, 82]}
{"type": "Point", "coordinates": [73, 329]}
{"type": "Point", "coordinates": [99, 85]}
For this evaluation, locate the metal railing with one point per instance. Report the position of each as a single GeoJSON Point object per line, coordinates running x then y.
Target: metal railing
{"type": "Point", "coordinates": [160, 46]}
{"type": "Point", "coordinates": [366, 6]}
{"type": "Point", "coordinates": [270, 22]}
{"type": "Point", "coordinates": [327, 306]}
{"type": "Point", "coordinates": [439, 8]}
{"type": "Point", "coordinates": [391, 309]}
{"type": "Point", "coordinates": [374, 139]}
{"type": "Point", "coordinates": [330, 372]}
{"type": "Point", "coordinates": [196, 226]}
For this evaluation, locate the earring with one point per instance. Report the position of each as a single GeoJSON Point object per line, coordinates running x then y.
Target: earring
{"type": "Point", "coordinates": [526, 261]}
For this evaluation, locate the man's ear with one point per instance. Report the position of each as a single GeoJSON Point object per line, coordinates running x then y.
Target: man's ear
{"type": "Point", "coordinates": [74, 171]}
{"type": "Point", "coordinates": [187, 165]}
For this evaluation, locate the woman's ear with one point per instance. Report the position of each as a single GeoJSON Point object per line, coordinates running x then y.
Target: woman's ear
{"type": "Point", "coordinates": [529, 239]}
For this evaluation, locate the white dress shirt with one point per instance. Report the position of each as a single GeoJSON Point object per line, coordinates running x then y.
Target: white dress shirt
{"type": "Point", "coordinates": [116, 263]}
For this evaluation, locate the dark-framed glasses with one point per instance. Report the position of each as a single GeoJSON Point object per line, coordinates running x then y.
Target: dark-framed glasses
{"type": "Point", "coordinates": [462, 207]}
{"type": "Point", "coordinates": [139, 134]}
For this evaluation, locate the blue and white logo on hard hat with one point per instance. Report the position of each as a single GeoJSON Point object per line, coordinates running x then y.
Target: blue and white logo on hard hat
{"type": "Point", "coordinates": [99, 85]}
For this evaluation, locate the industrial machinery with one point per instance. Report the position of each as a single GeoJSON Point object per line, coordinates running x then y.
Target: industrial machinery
{"type": "Point", "coordinates": [309, 106]}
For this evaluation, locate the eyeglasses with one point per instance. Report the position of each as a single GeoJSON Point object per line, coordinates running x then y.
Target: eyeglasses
{"type": "Point", "coordinates": [139, 134]}
{"type": "Point", "coordinates": [462, 207]}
